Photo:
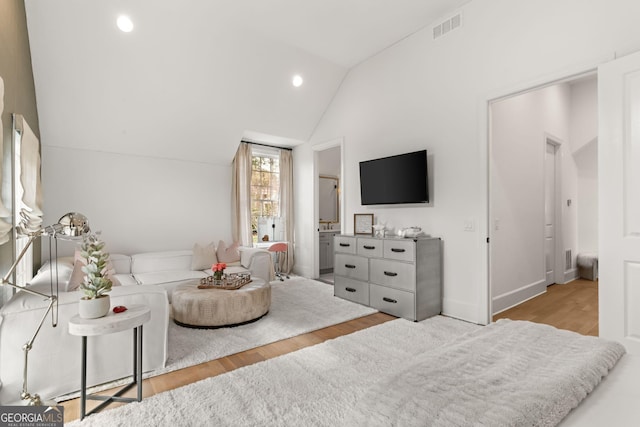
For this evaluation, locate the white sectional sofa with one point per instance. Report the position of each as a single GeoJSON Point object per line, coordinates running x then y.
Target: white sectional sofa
{"type": "Point", "coordinates": [54, 362]}
{"type": "Point", "coordinates": [169, 269]}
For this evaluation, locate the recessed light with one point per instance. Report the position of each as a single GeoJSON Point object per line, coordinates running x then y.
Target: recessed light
{"type": "Point", "coordinates": [124, 23]}
{"type": "Point", "coordinates": [297, 80]}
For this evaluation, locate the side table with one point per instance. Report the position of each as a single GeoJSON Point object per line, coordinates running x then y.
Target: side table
{"type": "Point", "coordinates": [133, 318]}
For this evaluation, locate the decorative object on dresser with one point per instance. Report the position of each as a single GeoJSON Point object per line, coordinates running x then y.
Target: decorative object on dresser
{"type": "Point", "coordinates": [402, 277]}
{"type": "Point", "coordinates": [363, 224]}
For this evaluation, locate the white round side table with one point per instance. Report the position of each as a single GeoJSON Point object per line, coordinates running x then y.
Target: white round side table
{"type": "Point", "coordinates": [133, 318]}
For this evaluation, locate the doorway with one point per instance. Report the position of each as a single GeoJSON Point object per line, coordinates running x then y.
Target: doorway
{"type": "Point", "coordinates": [536, 225]}
{"type": "Point", "coordinates": [329, 205]}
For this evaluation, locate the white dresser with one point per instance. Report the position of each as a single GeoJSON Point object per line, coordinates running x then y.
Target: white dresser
{"type": "Point", "coordinates": [399, 276]}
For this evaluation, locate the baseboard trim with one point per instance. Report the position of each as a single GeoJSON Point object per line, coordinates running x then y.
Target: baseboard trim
{"type": "Point", "coordinates": [461, 310]}
{"type": "Point", "coordinates": [570, 275]}
{"type": "Point", "coordinates": [518, 296]}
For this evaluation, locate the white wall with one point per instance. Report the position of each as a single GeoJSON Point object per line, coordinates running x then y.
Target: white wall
{"type": "Point", "coordinates": [139, 203]}
{"type": "Point", "coordinates": [584, 143]}
{"type": "Point", "coordinates": [329, 162]}
{"type": "Point", "coordinates": [425, 93]}
{"type": "Point", "coordinates": [519, 128]}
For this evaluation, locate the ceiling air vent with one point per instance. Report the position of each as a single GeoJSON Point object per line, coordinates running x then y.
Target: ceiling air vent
{"type": "Point", "coordinates": [447, 26]}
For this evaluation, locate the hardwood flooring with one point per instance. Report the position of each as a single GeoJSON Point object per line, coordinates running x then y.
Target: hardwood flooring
{"type": "Point", "coordinates": [573, 306]}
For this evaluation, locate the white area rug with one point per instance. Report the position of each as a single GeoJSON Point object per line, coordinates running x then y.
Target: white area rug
{"type": "Point", "coordinates": [340, 382]}
{"type": "Point", "coordinates": [313, 386]}
{"type": "Point", "coordinates": [298, 306]}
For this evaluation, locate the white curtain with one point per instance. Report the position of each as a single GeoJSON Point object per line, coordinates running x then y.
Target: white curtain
{"type": "Point", "coordinates": [241, 196]}
{"type": "Point", "coordinates": [286, 205]}
{"type": "Point", "coordinates": [31, 209]}
{"type": "Point", "coordinates": [5, 214]}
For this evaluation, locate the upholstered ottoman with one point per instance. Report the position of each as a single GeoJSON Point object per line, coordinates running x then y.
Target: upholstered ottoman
{"type": "Point", "coordinates": [214, 308]}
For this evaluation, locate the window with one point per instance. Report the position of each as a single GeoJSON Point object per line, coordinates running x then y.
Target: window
{"type": "Point", "coordinates": [265, 191]}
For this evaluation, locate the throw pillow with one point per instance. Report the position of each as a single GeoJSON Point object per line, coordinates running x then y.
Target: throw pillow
{"type": "Point", "coordinates": [203, 256]}
{"type": "Point", "coordinates": [228, 254]}
{"type": "Point", "coordinates": [77, 276]}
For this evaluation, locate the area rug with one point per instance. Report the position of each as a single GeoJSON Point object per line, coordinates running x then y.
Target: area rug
{"type": "Point", "coordinates": [298, 306]}
{"type": "Point", "coordinates": [352, 380]}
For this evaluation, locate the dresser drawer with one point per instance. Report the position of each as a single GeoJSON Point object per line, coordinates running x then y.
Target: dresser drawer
{"type": "Point", "coordinates": [351, 290]}
{"type": "Point", "coordinates": [351, 266]}
{"type": "Point", "coordinates": [344, 244]}
{"type": "Point", "coordinates": [393, 301]}
{"type": "Point", "coordinates": [402, 250]}
{"type": "Point", "coordinates": [369, 247]}
{"type": "Point", "coordinates": [395, 274]}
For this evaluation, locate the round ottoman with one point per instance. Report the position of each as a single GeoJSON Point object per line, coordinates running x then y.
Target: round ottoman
{"type": "Point", "coordinates": [214, 308]}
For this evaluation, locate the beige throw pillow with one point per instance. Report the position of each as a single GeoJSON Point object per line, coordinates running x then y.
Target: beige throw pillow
{"type": "Point", "coordinates": [203, 256]}
{"type": "Point", "coordinates": [228, 254]}
{"type": "Point", "coordinates": [77, 275]}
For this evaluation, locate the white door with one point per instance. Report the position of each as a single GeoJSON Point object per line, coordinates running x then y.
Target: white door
{"type": "Point", "coordinates": [619, 200]}
{"type": "Point", "coordinates": [550, 213]}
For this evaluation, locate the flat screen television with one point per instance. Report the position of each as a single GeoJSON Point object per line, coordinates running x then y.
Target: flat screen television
{"type": "Point", "coordinates": [395, 179]}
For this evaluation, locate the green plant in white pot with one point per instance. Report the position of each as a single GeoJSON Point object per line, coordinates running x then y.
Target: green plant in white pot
{"type": "Point", "coordinates": [96, 283]}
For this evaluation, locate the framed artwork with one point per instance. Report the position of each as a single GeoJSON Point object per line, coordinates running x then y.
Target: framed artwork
{"type": "Point", "coordinates": [363, 224]}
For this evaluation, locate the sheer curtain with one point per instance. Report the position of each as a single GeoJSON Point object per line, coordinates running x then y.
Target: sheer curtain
{"type": "Point", "coordinates": [5, 214]}
{"type": "Point", "coordinates": [241, 196]}
{"type": "Point", "coordinates": [286, 205]}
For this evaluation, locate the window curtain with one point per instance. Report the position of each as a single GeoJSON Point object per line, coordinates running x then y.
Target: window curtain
{"type": "Point", "coordinates": [241, 196]}
{"type": "Point", "coordinates": [31, 209]}
{"type": "Point", "coordinates": [286, 206]}
{"type": "Point", "coordinates": [5, 214]}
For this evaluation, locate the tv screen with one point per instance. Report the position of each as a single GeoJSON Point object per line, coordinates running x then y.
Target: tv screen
{"type": "Point", "coordinates": [395, 179]}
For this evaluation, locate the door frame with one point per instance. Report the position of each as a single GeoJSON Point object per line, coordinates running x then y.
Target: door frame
{"type": "Point", "coordinates": [558, 264]}
{"type": "Point", "coordinates": [485, 311]}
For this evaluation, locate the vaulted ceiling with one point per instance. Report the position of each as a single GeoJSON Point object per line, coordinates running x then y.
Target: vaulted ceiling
{"type": "Point", "coordinates": [194, 77]}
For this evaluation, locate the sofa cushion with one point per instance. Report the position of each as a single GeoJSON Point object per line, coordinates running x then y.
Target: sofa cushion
{"type": "Point", "coordinates": [63, 264]}
{"type": "Point", "coordinates": [126, 279]}
{"type": "Point", "coordinates": [151, 262]}
{"type": "Point", "coordinates": [121, 263]}
{"type": "Point", "coordinates": [228, 254]}
{"type": "Point", "coordinates": [168, 276]}
{"type": "Point", "coordinates": [203, 256]}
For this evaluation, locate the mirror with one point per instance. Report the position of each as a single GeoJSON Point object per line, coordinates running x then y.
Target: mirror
{"type": "Point", "coordinates": [328, 199]}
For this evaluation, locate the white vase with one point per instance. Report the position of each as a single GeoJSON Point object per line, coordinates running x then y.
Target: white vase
{"type": "Point", "coordinates": [94, 308]}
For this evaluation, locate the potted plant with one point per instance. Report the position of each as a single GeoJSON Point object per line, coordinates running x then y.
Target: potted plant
{"type": "Point", "coordinates": [96, 284]}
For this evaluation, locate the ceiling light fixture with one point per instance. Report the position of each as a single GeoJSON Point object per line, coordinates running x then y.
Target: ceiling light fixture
{"type": "Point", "coordinates": [297, 80]}
{"type": "Point", "coordinates": [124, 23]}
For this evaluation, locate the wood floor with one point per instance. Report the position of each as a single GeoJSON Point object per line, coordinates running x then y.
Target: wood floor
{"type": "Point", "coordinates": [573, 306]}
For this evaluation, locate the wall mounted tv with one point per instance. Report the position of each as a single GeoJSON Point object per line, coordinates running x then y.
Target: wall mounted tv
{"type": "Point", "coordinates": [394, 180]}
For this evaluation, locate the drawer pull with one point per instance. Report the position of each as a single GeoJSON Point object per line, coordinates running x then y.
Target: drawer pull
{"type": "Point", "coordinates": [350, 266]}
{"type": "Point", "coordinates": [389, 300]}
{"type": "Point", "coordinates": [345, 245]}
{"type": "Point", "coordinates": [349, 289]}
{"type": "Point", "coordinates": [369, 247]}
{"type": "Point", "coordinates": [397, 250]}
{"type": "Point", "coordinates": [390, 274]}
